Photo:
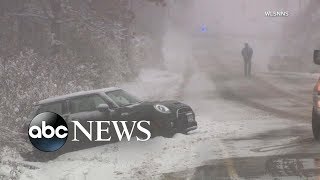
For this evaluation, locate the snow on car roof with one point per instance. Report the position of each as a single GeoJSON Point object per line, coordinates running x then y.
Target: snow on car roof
{"type": "Point", "coordinates": [80, 93]}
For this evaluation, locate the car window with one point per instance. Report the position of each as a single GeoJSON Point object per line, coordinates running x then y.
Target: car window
{"type": "Point", "coordinates": [110, 103]}
{"type": "Point", "coordinates": [57, 107]}
{"type": "Point", "coordinates": [85, 103]}
{"type": "Point", "coordinates": [122, 98]}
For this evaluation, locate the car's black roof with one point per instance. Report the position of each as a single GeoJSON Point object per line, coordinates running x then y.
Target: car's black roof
{"type": "Point", "coordinates": [76, 94]}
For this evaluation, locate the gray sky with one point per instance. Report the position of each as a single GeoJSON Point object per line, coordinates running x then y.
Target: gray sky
{"type": "Point", "coordinates": [243, 16]}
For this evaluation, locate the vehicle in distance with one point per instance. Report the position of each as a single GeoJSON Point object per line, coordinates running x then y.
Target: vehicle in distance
{"type": "Point", "coordinates": [166, 117]}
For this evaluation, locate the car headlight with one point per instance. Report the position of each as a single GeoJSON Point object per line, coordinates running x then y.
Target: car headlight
{"type": "Point", "coordinates": [161, 108]}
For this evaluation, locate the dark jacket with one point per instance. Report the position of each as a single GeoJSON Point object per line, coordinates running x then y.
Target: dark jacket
{"type": "Point", "coordinates": [247, 53]}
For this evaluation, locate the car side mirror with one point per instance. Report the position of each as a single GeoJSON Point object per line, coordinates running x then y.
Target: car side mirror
{"type": "Point", "coordinates": [103, 108]}
{"type": "Point", "coordinates": [316, 57]}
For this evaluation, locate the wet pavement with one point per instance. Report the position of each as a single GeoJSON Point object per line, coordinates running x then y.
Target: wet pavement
{"type": "Point", "coordinates": [295, 159]}
{"type": "Point", "coordinates": [281, 95]}
{"type": "Point", "coordinates": [295, 166]}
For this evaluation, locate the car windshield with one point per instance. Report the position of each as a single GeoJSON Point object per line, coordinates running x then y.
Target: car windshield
{"type": "Point", "coordinates": [122, 98]}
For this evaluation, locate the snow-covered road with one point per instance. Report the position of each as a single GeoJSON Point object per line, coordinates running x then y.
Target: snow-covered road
{"type": "Point", "coordinates": [227, 129]}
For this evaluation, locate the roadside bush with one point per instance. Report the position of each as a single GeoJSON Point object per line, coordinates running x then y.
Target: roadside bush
{"type": "Point", "coordinates": [28, 77]}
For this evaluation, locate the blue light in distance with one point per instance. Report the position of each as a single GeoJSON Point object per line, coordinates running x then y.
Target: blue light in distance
{"type": "Point", "coordinates": [204, 28]}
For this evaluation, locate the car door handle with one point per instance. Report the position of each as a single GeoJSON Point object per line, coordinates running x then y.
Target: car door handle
{"type": "Point", "coordinates": [124, 114]}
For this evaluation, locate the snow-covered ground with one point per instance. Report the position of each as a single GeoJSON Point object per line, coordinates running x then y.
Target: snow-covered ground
{"type": "Point", "coordinates": [218, 121]}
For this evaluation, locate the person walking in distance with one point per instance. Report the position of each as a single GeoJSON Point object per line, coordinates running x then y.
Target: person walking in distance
{"type": "Point", "coordinates": [247, 55]}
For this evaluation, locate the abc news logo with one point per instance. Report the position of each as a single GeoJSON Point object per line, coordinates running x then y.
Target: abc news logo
{"type": "Point", "coordinates": [48, 131]}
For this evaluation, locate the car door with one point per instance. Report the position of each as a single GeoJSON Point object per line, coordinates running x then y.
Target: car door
{"type": "Point", "coordinates": [84, 109]}
{"type": "Point", "coordinates": [129, 114]}
{"type": "Point", "coordinates": [133, 113]}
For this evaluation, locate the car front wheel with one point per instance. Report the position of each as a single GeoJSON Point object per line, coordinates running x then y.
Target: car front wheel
{"type": "Point", "coordinates": [315, 125]}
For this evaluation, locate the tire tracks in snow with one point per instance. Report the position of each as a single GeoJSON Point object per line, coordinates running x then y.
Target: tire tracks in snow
{"type": "Point", "coordinates": [141, 172]}
{"type": "Point", "coordinates": [259, 88]}
{"type": "Point", "coordinates": [229, 164]}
